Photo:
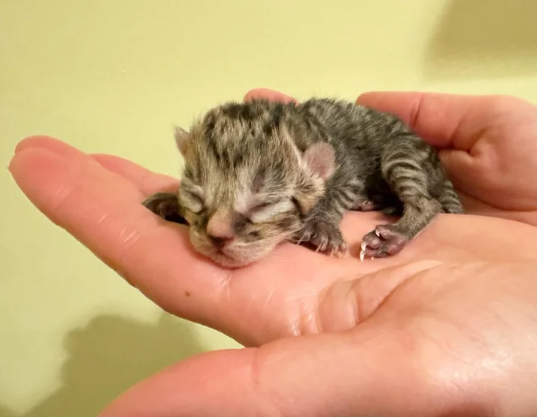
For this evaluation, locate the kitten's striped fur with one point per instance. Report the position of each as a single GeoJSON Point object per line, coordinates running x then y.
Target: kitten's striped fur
{"type": "Point", "coordinates": [262, 172]}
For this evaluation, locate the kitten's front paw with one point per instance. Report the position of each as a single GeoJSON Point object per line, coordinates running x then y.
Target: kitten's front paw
{"type": "Point", "coordinates": [166, 206]}
{"type": "Point", "coordinates": [324, 236]}
{"type": "Point", "coordinates": [384, 241]}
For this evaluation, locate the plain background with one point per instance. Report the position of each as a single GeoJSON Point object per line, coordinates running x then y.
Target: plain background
{"type": "Point", "coordinates": [114, 76]}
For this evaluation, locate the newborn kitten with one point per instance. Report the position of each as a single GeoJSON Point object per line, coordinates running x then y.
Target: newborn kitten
{"type": "Point", "coordinates": [260, 173]}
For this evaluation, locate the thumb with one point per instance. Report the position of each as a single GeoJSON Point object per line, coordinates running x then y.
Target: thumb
{"type": "Point", "coordinates": [372, 372]}
{"type": "Point", "coordinates": [383, 366]}
{"type": "Point", "coordinates": [339, 374]}
{"type": "Point", "coordinates": [344, 374]}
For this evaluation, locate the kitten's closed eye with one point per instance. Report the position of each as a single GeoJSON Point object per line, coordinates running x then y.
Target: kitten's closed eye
{"type": "Point", "coordinates": [263, 212]}
{"type": "Point", "coordinates": [191, 200]}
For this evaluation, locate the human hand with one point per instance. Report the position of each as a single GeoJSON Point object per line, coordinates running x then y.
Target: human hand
{"type": "Point", "coordinates": [98, 200]}
{"type": "Point", "coordinates": [429, 340]}
{"type": "Point", "coordinates": [292, 292]}
{"type": "Point", "coordinates": [487, 143]}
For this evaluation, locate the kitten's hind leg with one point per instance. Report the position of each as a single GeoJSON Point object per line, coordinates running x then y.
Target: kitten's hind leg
{"type": "Point", "coordinates": [450, 200]}
{"type": "Point", "coordinates": [405, 168]}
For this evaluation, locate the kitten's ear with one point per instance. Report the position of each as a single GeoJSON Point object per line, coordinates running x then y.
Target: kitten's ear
{"type": "Point", "coordinates": [181, 139]}
{"type": "Point", "coordinates": [321, 159]}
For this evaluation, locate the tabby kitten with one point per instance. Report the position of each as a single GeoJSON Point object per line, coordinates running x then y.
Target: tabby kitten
{"type": "Point", "coordinates": [261, 173]}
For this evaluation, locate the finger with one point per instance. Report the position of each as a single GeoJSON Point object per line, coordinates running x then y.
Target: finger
{"type": "Point", "coordinates": [268, 94]}
{"type": "Point", "coordinates": [147, 181]}
{"type": "Point", "coordinates": [51, 144]}
{"type": "Point", "coordinates": [103, 211]}
{"type": "Point", "coordinates": [444, 120]}
{"type": "Point", "coordinates": [323, 375]}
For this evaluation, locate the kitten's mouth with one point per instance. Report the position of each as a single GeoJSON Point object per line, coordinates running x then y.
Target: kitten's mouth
{"type": "Point", "coordinates": [221, 253]}
{"type": "Point", "coordinates": [233, 256]}
{"type": "Point", "coordinates": [229, 258]}
{"type": "Point", "coordinates": [225, 260]}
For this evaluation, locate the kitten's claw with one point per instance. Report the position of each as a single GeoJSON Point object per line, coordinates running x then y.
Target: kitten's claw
{"type": "Point", "coordinates": [384, 241]}
{"type": "Point", "coordinates": [363, 248]}
{"type": "Point", "coordinates": [340, 251]}
{"type": "Point", "coordinates": [324, 237]}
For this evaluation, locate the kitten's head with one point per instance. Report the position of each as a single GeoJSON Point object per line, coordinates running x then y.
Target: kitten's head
{"type": "Point", "coordinates": [246, 186]}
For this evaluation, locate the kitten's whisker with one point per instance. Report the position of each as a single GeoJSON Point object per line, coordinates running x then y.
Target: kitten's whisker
{"type": "Point", "coordinates": [301, 239]}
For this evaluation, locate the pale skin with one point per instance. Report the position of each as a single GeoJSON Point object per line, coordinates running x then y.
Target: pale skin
{"type": "Point", "coordinates": [447, 327]}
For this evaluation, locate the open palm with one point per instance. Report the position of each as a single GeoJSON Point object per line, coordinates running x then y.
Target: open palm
{"type": "Point", "coordinates": [293, 292]}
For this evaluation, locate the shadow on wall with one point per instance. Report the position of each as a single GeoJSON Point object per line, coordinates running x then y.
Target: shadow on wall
{"type": "Point", "coordinates": [4, 412]}
{"type": "Point", "coordinates": [485, 39]}
{"type": "Point", "coordinates": [110, 355]}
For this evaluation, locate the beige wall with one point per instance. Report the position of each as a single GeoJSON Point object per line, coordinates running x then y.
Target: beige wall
{"type": "Point", "coordinates": [113, 76]}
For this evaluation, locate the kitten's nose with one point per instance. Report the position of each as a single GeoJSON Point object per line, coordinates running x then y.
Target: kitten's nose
{"type": "Point", "coordinates": [220, 242]}
{"type": "Point", "coordinates": [219, 229]}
